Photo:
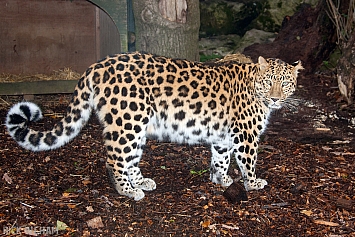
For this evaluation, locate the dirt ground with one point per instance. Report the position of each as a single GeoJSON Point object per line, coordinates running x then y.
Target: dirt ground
{"type": "Point", "coordinates": [306, 155]}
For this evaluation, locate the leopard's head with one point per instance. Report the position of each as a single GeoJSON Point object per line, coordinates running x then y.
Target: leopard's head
{"type": "Point", "coordinates": [276, 81]}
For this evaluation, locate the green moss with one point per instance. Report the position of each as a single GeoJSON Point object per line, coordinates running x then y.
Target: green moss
{"type": "Point", "coordinates": [217, 19]}
{"type": "Point", "coordinates": [332, 62]}
{"type": "Point", "coordinates": [266, 22]}
{"type": "Point", "coordinates": [220, 18]}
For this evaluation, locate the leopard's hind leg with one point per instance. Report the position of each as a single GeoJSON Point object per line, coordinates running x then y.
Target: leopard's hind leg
{"type": "Point", "coordinates": [125, 148]}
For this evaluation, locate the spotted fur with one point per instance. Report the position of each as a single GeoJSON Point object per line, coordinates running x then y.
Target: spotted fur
{"type": "Point", "coordinates": [138, 96]}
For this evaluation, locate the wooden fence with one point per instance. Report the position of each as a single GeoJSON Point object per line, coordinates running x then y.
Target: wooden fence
{"type": "Point", "coordinates": [40, 36]}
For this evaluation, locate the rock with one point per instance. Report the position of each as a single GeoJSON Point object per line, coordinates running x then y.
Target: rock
{"type": "Point", "coordinates": [254, 36]}
{"type": "Point", "coordinates": [235, 193]}
{"type": "Point", "coordinates": [217, 46]}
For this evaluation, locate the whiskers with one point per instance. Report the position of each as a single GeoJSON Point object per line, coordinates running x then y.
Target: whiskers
{"type": "Point", "coordinates": [292, 104]}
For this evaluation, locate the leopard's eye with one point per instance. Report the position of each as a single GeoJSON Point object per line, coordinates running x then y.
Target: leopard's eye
{"type": "Point", "coordinates": [285, 83]}
{"type": "Point", "coordinates": [268, 82]}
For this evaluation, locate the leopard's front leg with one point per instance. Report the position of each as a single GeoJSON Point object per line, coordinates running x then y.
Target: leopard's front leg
{"type": "Point", "coordinates": [219, 165]}
{"type": "Point", "coordinates": [246, 156]}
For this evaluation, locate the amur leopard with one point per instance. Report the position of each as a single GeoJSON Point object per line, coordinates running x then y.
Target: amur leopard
{"type": "Point", "coordinates": [138, 96]}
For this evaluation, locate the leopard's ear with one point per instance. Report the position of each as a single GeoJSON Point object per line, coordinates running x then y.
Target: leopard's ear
{"type": "Point", "coordinates": [297, 67]}
{"type": "Point", "coordinates": [263, 64]}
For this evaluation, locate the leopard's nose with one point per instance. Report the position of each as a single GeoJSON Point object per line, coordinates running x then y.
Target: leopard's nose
{"type": "Point", "coordinates": [274, 99]}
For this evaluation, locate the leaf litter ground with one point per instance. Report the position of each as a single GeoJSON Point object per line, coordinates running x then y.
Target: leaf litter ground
{"type": "Point", "coordinates": [306, 155]}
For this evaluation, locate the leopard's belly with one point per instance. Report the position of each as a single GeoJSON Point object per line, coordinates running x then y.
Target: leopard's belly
{"type": "Point", "coordinates": [188, 132]}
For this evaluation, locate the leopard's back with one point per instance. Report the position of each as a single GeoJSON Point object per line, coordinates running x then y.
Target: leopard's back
{"type": "Point", "coordinates": [178, 100]}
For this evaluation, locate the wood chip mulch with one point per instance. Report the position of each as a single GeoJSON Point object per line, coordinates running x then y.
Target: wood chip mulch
{"type": "Point", "coordinates": [307, 156]}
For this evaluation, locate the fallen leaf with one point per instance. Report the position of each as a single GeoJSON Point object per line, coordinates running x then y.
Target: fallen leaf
{"type": "Point", "coordinates": [95, 222]}
{"type": "Point", "coordinates": [323, 129]}
{"type": "Point", "coordinates": [230, 227]}
{"type": "Point", "coordinates": [71, 205]}
{"type": "Point", "coordinates": [66, 194]}
{"type": "Point", "coordinates": [214, 226]}
{"type": "Point", "coordinates": [328, 223]}
{"type": "Point", "coordinates": [86, 181]}
{"type": "Point", "coordinates": [7, 178]}
{"type": "Point", "coordinates": [153, 147]}
{"type": "Point", "coordinates": [338, 142]}
{"type": "Point", "coordinates": [326, 148]}
{"type": "Point", "coordinates": [340, 154]}
{"type": "Point", "coordinates": [86, 233]}
{"type": "Point", "coordinates": [307, 212]}
{"type": "Point", "coordinates": [90, 209]}
{"type": "Point", "coordinates": [206, 224]}
{"type": "Point", "coordinates": [61, 225]}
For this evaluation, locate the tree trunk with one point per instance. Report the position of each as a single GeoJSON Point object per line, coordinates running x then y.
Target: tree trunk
{"type": "Point", "coordinates": [346, 69]}
{"type": "Point", "coordinates": [168, 27]}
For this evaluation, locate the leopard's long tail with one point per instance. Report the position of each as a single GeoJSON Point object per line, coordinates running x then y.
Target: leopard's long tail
{"type": "Point", "coordinates": [78, 113]}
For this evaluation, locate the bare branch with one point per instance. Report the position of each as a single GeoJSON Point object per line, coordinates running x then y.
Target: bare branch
{"type": "Point", "coordinates": [344, 24]}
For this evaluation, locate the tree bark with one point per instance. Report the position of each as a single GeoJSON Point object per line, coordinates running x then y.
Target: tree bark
{"type": "Point", "coordinates": [342, 13]}
{"type": "Point", "coordinates": [346, 69]}
{"type": "Point", "coordinates": [168, 27]}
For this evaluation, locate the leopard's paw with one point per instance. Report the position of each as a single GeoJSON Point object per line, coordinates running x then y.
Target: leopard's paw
{"type": "Point", "coordinates": [137, 194]}
{"type": "Point", "coordinates": [224, 180]}
{"type": "Point", "coordinates": [255, 184]}
{"type": "Point", "coordinates": [147, 184]}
